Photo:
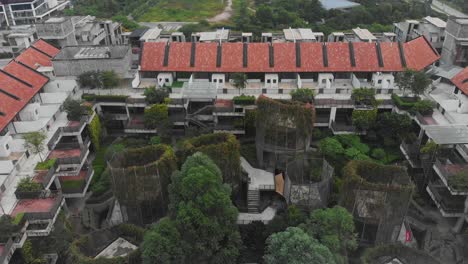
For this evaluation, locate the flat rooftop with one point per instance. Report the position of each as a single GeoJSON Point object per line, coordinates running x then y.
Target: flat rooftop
{"type": "Point", "coordinates": [34, 206]}
{"type": "Point", "coordinates": [55, 20]}
{"type": "Point", "coordinates": [119, 248]}
{"type": "Point", "coordinates": [92, 52]}
{"type": "Point", "coordinates": [448, 134]}
{"type": "Point", "coordinates": [338, 4]}
{"type": "Point", "coordinates": [298, 34]}
{"type": "Point", "coordinates": [436, 21]}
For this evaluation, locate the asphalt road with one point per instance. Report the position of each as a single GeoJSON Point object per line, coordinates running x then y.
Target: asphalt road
{"type": "Point", "coordinates": [441, 7]}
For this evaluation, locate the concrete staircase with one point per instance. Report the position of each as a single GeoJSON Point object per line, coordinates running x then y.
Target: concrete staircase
{"type": "Point", "coordinates": [253, 201]}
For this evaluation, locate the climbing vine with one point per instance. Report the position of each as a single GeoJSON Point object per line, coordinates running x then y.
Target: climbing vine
{"type": "Point", "coordinates": [222, 148]}
{"type": "Point", "coordinates": [95, 130]}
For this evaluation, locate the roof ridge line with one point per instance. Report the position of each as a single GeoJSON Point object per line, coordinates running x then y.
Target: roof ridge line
{"type": "Point", "coordinates": [34, 70]}
{"type": "Point", "coordinates": [38, 50]}
{"type": "Point", "coordinates": [16, 78]}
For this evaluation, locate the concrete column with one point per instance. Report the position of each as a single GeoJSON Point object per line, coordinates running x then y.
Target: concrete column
{"type": "Point", "coordinates": [128, 112]}
{"type": "Point", "coordinates": [57, 183]}
{"type": "Point", "coordinates": [332, 116]}
{"type": "Point", "coordinates": [80, 140]}
{"type": "Point", "coordinates": [459, 225]}
{"type": "Point", "coordinates": [420, 136]}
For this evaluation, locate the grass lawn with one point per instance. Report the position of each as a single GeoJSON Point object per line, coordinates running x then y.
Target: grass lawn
{"type": "Point", "coordinates": [183, 10]}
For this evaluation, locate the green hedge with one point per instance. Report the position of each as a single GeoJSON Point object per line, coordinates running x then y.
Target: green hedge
{"type": "Point", "coordinates": [104, 98]}
{"type": "Point", "coordinates": [45, 165]}
{"type": "Point", "coordinates": [95, 131]}
{"type": "Point", "coordinates": [244, 100]}
{"type": "Point", "coordinates": [222, 148]}
{"type": "Point", "coordinates": [401, 103]}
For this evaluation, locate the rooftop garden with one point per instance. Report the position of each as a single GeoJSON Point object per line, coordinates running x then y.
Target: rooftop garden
{"type": "Point", "coordinates": [459, 180]}
{"type": "Point", "coordinates": [222, 148]}
{"type": "Point", "coordinates": [45, 165]}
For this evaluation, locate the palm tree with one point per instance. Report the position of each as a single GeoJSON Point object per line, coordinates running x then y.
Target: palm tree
{"type": "Point", "coordinates": [240, 80]}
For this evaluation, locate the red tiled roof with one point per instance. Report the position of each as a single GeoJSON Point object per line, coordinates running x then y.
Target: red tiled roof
{"type": "Point", "coordinates": [34, 206]}
{"type": "Point", "coordinates": [311, 56]}
{"type": "Point", "coordinates": [34, 59]}
{"type": "Point", "coordinates": [285, 56]}
{"type": "Point", "coordinates": [24, 82]}
{"type": "Point", "coordinates": [366, 56]}
{"type": "Point", "coordinates": [46, 48]}
{"type": "Point", "coordinates": [154, 55]}
{"type": "Point", "coordinates": [232, 56]}
{"type": "Point", "coordinates": [391, 56]}
{"type": "Point", "coordinates": [461, 81]}
{"type": "Point", "coordinates": [205, 56]}
{"type": "Point", "coordinates": [30, 76]}
{"type": "Point", "coordinates": [181, 56]}
{"type": "Point", "coordinates": [418, 55]}
{"type": "Point", "coordinates": [338, 57]}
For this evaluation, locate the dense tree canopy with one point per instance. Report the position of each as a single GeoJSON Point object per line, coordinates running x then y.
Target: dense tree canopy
{"type": "Point", "coordinates": [334, 228]}
{"type": "Point", "coordinates": [201, 213]}
{"type": "Point", "coordinates": [294, 246]}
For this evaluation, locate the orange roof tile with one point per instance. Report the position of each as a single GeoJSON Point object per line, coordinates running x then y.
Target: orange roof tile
{"type": "Point", "coordinates": [461, 81]}
{"type": "Point", "coordinates": [46, 48]}
{"type": "Point", "coordinates": [418, 54]}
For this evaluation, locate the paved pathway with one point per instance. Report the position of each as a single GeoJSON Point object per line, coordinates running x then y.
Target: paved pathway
{"type": "Point", "coordinates": [444, 8]}
{"type": "Point", "coordinates": [225, 15]}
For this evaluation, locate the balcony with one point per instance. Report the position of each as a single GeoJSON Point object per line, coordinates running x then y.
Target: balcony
{"type": "Point", "coordinates": [40, 213]}
{"type": "Point", "coordinates": [342, 128]}
{"type": "Point", "coordinates": [71, 153]}
{"type": "Point", "coordinates": [447, 169]}
{"type": "Point", "coordinates": [449, 205]}
{"type": "Point", "coordinates": [76, 186]}
{"type": "Point", "coordinates": [412, 153]}
{"type": "Point", "coordinates": [137, 125]}
{"type": "Point", "coordinates": [233, 129]}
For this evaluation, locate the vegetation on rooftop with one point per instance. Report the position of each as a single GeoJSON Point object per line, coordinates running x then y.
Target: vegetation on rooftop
{"type": "Point", "coordinates": [156, 95]}
{"type": "Point", "coordinates": [99, 79]}
{"type": "Point", "coordinates": [28, 185]}
{"type": "Point", "coordinates": [201, 218]}
{"type": "Point", "coordinates": [222, 148]}
{"type": "Point", "coordinates": [303, 95]}
{"type": "Point", "coordinates": [244, 99]}
{"type": "Point", "coordinates": [104, 98]}
{"type": "Point", "coordinates": [45, 165]}
{"type": "Point", "coordinates": [75, 110]}
{"type": "Point", "coordinates": [459, 181]}
{"type": "Point", "coordinates": [35, 142]}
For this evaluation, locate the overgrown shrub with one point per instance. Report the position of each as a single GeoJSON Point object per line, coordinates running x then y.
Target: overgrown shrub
{"type": "Point", "coordinates": [95, 131]}
{"type": "Point", "coordinates": [104, 98]}
{"type": "Point", "coordinates": [155, 95]}
{"type": "Point", "coordinates": [404, 103]}
{"type": "Point", "coordinates": [459, 181]}
{"type": "Point", "coordinates": [364, 96]}
{"type": "Point", "coordinates": [424, 107]}
{"type": "Point", "coordinates": [303, 95]}
{"type": "Point", "coordinates": [74, 109]}
{"type": "Point", "coordinates": [45, 165]}
{"type": "Point", "coordinates": [244, 100]}
{"type": "Point", "coordinates": [28, 185]}
{"type": "Point", "coordinates": [378, 153]}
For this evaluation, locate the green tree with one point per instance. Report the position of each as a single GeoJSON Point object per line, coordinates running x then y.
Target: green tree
{"type": "Point", "coordinates": [296, 247]}
{"type": "Point", "coordinates": [393, 125]}
{"type": "Point", "coordinates": [74, 109]}
{"type": "Point", "coordinates": [202, 226]}
{"type": "Point", "coordinates": [109, 79]}
{"type": "Point", "coordinates": [156, 116]}
{"type": "Point", "coordinates": [156, 96]}
{"type": "Point", "coordinates": [240, 80]}
{"type": "Point", "coordinates": [264, 15]}
{"type": "Point", "coordinates": [334, 228]}
{"type": "Point", "coordinates": [364, 119]}
{"type": "Point", "coordinates": [421, 82]}
{"type": "Point", "coordinates": [89, 79]}
{"type": "Point", "coordinates": [28, 185]}
{"type": "Point", "coordinates": [364, 96]}
{"type": "Point", "coordinates": [303, 95]}
{"type": "Point", "coordinates": [330, 147]}
{"type": "Point", "coordinates": [163, 244]}
{"type": "Point", "coordinates": [7, 228]}
{"type": "Point", "coordinates": [415, 81]}
{"type": "Point", "coordinates": [34, 142]}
